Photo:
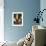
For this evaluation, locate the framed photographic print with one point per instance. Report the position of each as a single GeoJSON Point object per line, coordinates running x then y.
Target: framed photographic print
{"type": "Point", "coordinates": [17, 19]}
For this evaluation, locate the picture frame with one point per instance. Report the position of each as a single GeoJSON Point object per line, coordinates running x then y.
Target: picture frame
{"type": "Point", "coordinates": [17, 18]}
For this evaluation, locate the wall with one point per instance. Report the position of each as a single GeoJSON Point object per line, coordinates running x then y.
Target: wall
{"type": "Point", "coordinates": [29, 8]}
{"type": "Point", "coordinates": [43, 6]}
{"type": "Point", "coordinates": [1, 20]}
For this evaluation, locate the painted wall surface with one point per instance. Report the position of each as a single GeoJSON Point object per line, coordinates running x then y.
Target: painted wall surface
{"type": "Point", "coordinates": [1, 20]}
{"type": "Point", "coordinates": [29, 8]}
{"type": "Point", "coordinates": [43, 6]}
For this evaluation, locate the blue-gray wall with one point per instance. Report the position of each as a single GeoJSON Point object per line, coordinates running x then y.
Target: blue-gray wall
{"type": "Point", "coordinates": [43, 6]}
{"type": "Point", "coordinates": [29, 8]}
